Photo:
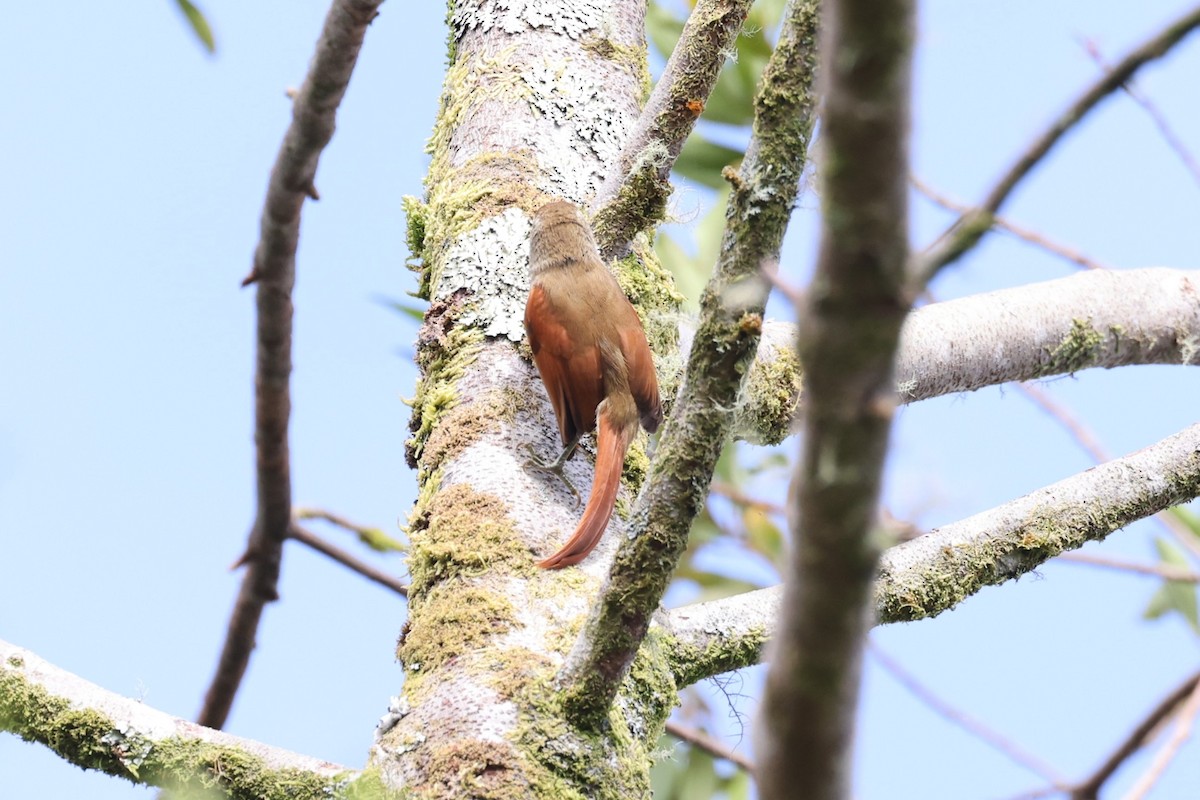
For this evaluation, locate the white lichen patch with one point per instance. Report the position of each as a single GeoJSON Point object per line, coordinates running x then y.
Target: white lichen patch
{"type": "Point", "coordinates": [576, 102]}
{"type": "Point", "coordinates": [492, 263]}
{"type": "Point", "coordinates": [515, 16]}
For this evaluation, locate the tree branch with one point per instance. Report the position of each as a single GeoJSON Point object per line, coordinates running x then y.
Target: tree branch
{"type": "Point", "coordinates": [373, 538]}
{"type": "Point", "coordinates": [1168, 572]}
{"type": "Point", "coordinates": [937, 571]}
{"type": "Point", "coordinates": [1019, 231]}
{"type": "Point", "coordinates": [345, 559]}
{"type": "Point", "coordinates": [1089, 789]}
{"type": "Point", "coordinates": [1011, 750]}
{"type": "Point", "coordinates": [1162, 759]}
{"type": "Point", "coordinates": [731, 320]}
{"type": "Point", "coordinates": [1094, 319]}
{"type": "Point", "coordinates": [97, 729]}
{"type": "Point", "coordinates": [274, 271]}
{"type": "Point", "coordinates": [709, 744]}
{"type": "Point", "coordinates": [966, 232]}
{"type": "Point", "coordinates": [1160, 120]}
{"type": "Point", "coordinates": [637, 187]}
{"type": "Point", "coordinates": [855, 308]}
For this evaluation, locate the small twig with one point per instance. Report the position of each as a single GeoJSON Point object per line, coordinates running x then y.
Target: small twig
{"type": "Point", "coordinates": [1163, 758]}
{"type": "Point", "coordinates": [342, 557]}
{"type": "Point", "coordinates": [792, 293]}
{"type": "Point", "coordinates": [1089, 789]}
{"type": "Point", "coordinates": [373, 538]}
{"type": "Point", "coordinates": [738, 497]}
{"type": "Point", "coordinates": [1160, 120]}
{"type": "Point", "coordinates": [966, 232]}
{"type": "Point", "coordinates": [1082, 435]}
{"type": "Point", "coordinates": [1168, 572]}
{"type": "Point", "coordinates": [709, 744]}
{"type": "Point", "coordinates": [635, 192]}
{"type": "Point", "coordinates": [968, 723]}
{"type": "Point", "coordinates": [1025, 234]}
{"type": "Point", "coordinates": [274, 271]}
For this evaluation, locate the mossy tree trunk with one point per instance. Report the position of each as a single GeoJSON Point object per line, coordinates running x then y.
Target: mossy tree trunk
{"type": "Point", "coordinates": [537, 101]}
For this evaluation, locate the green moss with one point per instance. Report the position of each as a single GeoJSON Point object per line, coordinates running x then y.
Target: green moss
{"type": "Point", "coordinates": [773, 394]}
{"type": "Point", "coordinates": [92, 740]}
{"type": "Point", "coordinates": [961, 571]}
{"type": "Point", "coordinates": [482, 770]}
{"type": "Point", "coordinates": [443, 363]}
{"type": "Point", "coordinates": [1077, 350]}
{"type": "Point", "coordinates": [449, 620]}
{"type": "Point", "coordinates": [369, 786]}
{"type": "Point", "coordinates": [466, 533]}
{"type": "Point", "coordinates": [463, 425]}
{"type": "Point", "coordinates": [416, 214]}
{"type": "Point", "coordinates": [690, 664]}
{"type": "Point", "coordinates": [641, 202]}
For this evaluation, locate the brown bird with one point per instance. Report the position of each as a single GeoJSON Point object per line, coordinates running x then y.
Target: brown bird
{"type": "Point", "coordinates": [589, 346]}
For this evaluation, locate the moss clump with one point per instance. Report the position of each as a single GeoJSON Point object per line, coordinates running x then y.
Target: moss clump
{"type": "Point", "coordinates": [463, 425]}
{"type": "Point", "coordinates": [92, 740]}
{"type": "Point", "coordinates": [1076, 351]}
{"type": "Point", "coordinates": [481, 770]}
{"type": "Point", "coordinates": [773, 392]}
{"type": "Point", "coordinates": [452, 619]}
{"type": "Point", "coordinates": [416, 214]}
{"type": "Point", "coordinates": [444, 363]}
{"type": "Point", "coordinates": [465, 533]}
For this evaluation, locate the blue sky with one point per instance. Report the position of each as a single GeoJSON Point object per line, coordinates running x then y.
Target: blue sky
{"type": "Point", "coordinates": [135, 167]}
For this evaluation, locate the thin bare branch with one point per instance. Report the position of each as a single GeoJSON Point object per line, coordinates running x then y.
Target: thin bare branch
{"type": "Point", "coordinates": [968, 723]}
{"type": "Point", "coordinates": [738, 497]}
{"type": "Point", "coordinates": [806, 722]}
{"type": "Point", "coordinates": [637, 187]}
{"type": "Point", "coordinates": [966, 232]}
{"type": "Point", "coordinates": [1160, 120]}
{"type": "Point", "coordinates": [274, 271]}
{"type": "Point", "coordinates": [1168, 572]}
{"type": "Point", "coordinates": [373, 538]}
{"type": "Point", "coordinates": [725, 342]}
{"type": "Point", "coordinates": [1024, 234]}
{"type": "Point", "coordinates": [125, 737]}
{"type": "Point", "coordinates": [1162, 759]}
{"type": "Point", "coordinates": [1089, 789]}
{"type": "Point", "coordinates": [339, 555]}
{"type": "Point", "coordinates": [1082, 435]}
{"type": "Point", "coordinates": [709, 744]}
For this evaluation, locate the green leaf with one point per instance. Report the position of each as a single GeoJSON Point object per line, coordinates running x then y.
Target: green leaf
{"type": "Point", "coordinates": [763, 535]}
{"type": "Point", "coordinates": [1176, 596]}
{"type": "Point", "coordinates": [738, 786]}
{"type": "Point", "coordinates": [416, 312]}
{"type": "Point", "coordinates": [702, 160]}
{"type": "Point", "coordinates": [700, 779]}
{"type": "Point", "coordinates": [200, 26]}
{"type": "Point", "coordinates": [1187, 518]}
{"type": "Point", "coordinates": [663, 27]}
{"type": "Point", "coordinates": [710, 232]}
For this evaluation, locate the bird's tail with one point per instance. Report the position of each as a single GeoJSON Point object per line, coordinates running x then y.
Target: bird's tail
{"type": "Point", "coordinates": [612, 440]}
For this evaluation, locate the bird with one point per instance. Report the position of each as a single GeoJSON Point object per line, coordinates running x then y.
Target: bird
{"type": "Point", "coordinates": [591, 351]}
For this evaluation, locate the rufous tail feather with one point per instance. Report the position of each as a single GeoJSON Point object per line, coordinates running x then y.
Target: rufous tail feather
{"type": "Point", "coordinates": [612, 440]}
